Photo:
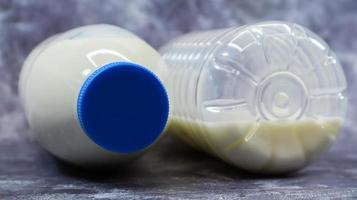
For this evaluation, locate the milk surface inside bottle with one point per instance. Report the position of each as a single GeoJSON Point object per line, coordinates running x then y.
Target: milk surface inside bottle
{"type": "Point", "coordinates": [268, 97]}
{"type": "Point", "coordinates": [92, 95]}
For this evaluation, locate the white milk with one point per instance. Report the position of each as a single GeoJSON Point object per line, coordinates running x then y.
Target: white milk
{"type": "Point", "coordinates": [268, 147]}
{"type": "Point", "coordinates": [267, 97]}
{"type": "Point", "coordinates": [53, 76]}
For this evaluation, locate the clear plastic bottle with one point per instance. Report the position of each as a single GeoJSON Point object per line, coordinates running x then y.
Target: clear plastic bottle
{"type": "Point", "coordinates": [92, 95]}
{"type": "Point", "coordinates": [268, 97]}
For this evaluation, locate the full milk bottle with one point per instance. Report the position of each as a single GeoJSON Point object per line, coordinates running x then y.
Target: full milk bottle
{"type": "Point", "coordinates": [92, 95]}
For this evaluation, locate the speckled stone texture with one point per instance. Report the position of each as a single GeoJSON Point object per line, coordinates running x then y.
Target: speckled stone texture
{"type": "Point", "coordinates": [171, 170]}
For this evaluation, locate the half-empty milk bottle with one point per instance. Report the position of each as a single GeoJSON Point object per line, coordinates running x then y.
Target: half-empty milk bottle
{"type": "Point", "coordinates": [92, 95]}
{"type": "Point", "coordinates": [268, 97]}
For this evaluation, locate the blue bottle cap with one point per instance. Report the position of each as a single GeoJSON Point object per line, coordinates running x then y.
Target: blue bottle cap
{"type": "Point", "coordinates": [123, 107]}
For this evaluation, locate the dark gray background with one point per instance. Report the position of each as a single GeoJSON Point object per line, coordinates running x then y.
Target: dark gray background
{"type": "Point", "coordinates": [171, 170]}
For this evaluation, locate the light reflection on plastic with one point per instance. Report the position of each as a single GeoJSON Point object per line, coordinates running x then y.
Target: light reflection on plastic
{"type": "Point", "coordinates": [91, 56]}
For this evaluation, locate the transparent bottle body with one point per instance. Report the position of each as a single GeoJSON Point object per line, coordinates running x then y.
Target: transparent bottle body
{"type": "Point", "coordinates": [268, 97]}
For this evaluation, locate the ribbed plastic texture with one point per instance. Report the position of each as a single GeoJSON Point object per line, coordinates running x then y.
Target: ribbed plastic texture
{"type": "Point", "coordinates": [268, 97]}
